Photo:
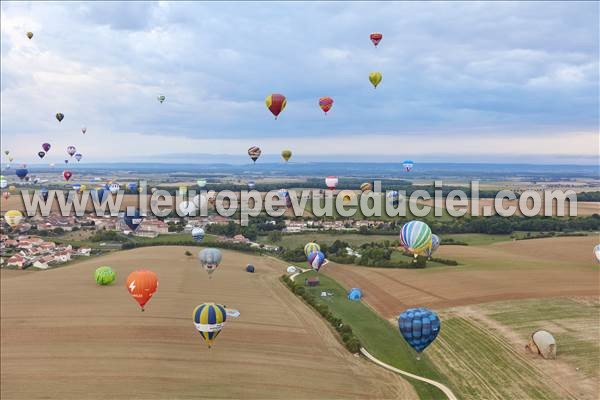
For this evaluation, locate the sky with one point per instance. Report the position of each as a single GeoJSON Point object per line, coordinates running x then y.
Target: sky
{"type": "Point", "coordinates": [462, 82]}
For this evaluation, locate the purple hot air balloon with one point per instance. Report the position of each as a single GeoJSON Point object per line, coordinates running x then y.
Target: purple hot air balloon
{"type": "Point", "coordinates": [71, 150]}
{"type": "Point", "coordinates": [46, 146]}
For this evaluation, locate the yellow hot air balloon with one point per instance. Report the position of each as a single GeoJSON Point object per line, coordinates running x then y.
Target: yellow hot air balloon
{"type": "Point", "coordinates": [375, 78]}
{"type": "Point", "coordinates": [13, 218]}
{"type": "Point", "coordinates": [286, 154]}
{"type": "Point", "coordinates": [12, 188]}
{"type": "Point", "coordinates": [29, 35]}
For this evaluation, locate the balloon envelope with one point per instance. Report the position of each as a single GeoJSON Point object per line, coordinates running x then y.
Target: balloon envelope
{"type": "Point", "coordinates": [71, 150]}
{"type": "Point", "coordinates": [198, 234]}
{"type": "Point", "coordinates": [286, 154]}
{"type": "Point", "coordinates": [21, 173]}
{"type": "Point", "coordinates": [316, 260]}
{"type": "Point", "coordinates": [326, 103]}
{"type": "Point", "coordinates": [435, 244]}
{"type": "Point", "coordinates": [311, 247]}
{"type": "Point", "coordinates": [375, 78]}
{"type": "Point", "coordinates": [133, 220]}
{"type": "Point", "coordinates": [209, 319]}
{"type": "Point", "coordinates": [376, 38]}
{"type": "Point", "coordinates": [366, 187]}
{"type": "Point", "coordinates": [142, 285]}
{"type": "Point", "coordinates": [60, 116]}
{"type": "Point", "coordinates": [67, 175]}
{"type": "Point", "coordinates": [78, 157]}
{"type": "Point", "coordinates": [210, 259]}
{"type": "Point", "coordinates": [30, 35]}
{"type": "Point", "coordinates": [331, 182]}
{"type": "Point", "coordinates": [415, 237]}
{"type": "Point", "coordinates": [104, 275]}
{"type": "Point", "coordinates": [408, 165]}
{"type": "Point", "coordinates": [597, 252]}
{"type": "Point", "coordinates": [276, 103]}
{"type": "Point", "coordinates": [254, 152]}
{"type": "Point", "coordinates": [13, 218]}
{"type": "Point", "coordinates": [46, 146]}
{"type": "Point", "coordinates": [419, 327]}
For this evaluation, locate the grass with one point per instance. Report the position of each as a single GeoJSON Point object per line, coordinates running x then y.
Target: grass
{"type": "Point", "coordinates": [476, 239]}
{"type": "Point", "coordinates": [574, 324]}
{"type": "Point", "coordinates": [293, 240]}
{"type": "Point", "coordinates": [482, 366]}
{"type": "Point", "coordinates": [377, 335]}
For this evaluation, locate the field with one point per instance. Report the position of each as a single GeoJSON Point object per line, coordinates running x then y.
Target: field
{"type": "Point", "coordinates": [64, 337]}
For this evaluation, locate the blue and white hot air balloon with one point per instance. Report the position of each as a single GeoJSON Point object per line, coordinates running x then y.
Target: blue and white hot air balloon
{"type": "Point", "coordinates": [408, 165]}
{"type": "Point", "coordinates": [419, 327]}
{"type": "Point", "coordinates": [198, 234]}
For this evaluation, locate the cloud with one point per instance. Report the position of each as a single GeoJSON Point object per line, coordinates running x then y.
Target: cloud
{"type": "Point", "coordinates": [464, 70]}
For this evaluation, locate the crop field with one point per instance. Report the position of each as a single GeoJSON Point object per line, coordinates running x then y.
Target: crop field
{"type": "Point", "coordinates": [64, 337]}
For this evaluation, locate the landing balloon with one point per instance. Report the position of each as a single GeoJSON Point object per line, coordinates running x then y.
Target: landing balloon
{"type": "Point", "coordinates": [104, 276]}
{"type": "Point", "coordinates": [316, 260]}
{"type": "Point", "coordinates": [311, 247]}
{"type": "Point", "coordinates": [435, 244]}
{"type": "Point", "coordinates": [597, 252]}
{"type": "Point", "coordinates": [142, 285]}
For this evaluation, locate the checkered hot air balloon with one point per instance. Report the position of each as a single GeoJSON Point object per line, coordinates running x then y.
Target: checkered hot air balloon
{"type": "Point", "coordinates": [419, 327]}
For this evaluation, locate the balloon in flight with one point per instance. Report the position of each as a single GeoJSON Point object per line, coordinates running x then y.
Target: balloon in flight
{"type": "Point", "coordinates": [44, 193]}
{"type": "Point", "coordinates": [67, 175]}
{"type": "Point", "coordinates": [325, 103]}
{"type": "Point", "coordinates": [142, 285]}
{"type": "Point", "coordinates": [210, 259]}
{"type": "Point", "coordinates": [21, 173]}
{"type": "Point", "coordinates": [198, 234]}
{"type": "Point", "coordinates": [311, 247]}
{"type": "Point", "coordinates": [83, 130]}
{"type": "Point", "coordinates": [71, 150]}
{"type": "Point", "coordinates": [375, 78]}
{"type": "Point", "coordinates": [29, 35]}
{"type": "Point", "coordinates": [254, 152]}
{"type": "Point", "coordinates": [104, 275]}
{"type": "Point", "coordinates": [161, 98]}
{"type": "Point", "coordinates": [133, 220]}
{"type": "Point", "coordinates": [201, 183]}
{"type": "Point", "coordinates": [46, 146]}
{"type": "Point", "coordinates": [13, 218]}
{"type": "Point", "coordinates": [376, 38]}
{"type": "Point", "coordinates": [316, 260]}
{"type": "Point", "coordinates": [415, 237]}
{"type": "Point", "coordinates": [419, 327]}
{"type": "Point", "coordinates": [209, 319]}
{"type": "Point", "coordinates": [408, 165]}
{"type": "Point", "coordinates": [114, 188]}
{"type": "Point", "coordinates": [435, 244]}
{"type": "Point", "coordinates": [78, 156]}
{"type": "Point", "coordinates": [286, 155]}
{"type": "Point", "coordinates": [41, 154]}
{"type": "Point", "coordinates": [276, 103]}
{"type": "Point", "coordinates": [60, 116]}
{"type": "Point", "coordinates": [3, 182]}
{"type": "Point", "coordinates": [366, 187]}
{"type": "Point", "coordinates": [331, 182]}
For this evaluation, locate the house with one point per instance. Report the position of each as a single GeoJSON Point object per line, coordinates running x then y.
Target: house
{"type": "Point", "coordinates": [84, 251]}
{"type": "Point", "coordinates": [16, 260]}
{"type": "Point", "coordinates": [154, 225]}
{"type": "Point", "coordinates": [145, 233]}
{"type": "Point", "coordinates": [240, 239]}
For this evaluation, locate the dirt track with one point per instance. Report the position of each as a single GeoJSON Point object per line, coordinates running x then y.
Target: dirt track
{"type": "Point", "coordinates": [64, 337]}
{"type": "Point", "coordinates": [502, 271]}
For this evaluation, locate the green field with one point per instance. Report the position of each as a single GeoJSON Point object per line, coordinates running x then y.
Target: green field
{"type": "Point", "coordinates": [292, 240]}
{"type": "Point", "coordinates": [476, 239]}
{"type": "Point", "coordinates": [377, 335]}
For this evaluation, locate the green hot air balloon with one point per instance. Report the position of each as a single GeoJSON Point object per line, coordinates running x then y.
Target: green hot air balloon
{"type": "Point", "coordinates": [286, 155]}
{"type": "Point", "coordinates": [105, 276]}
{"type": "Point", "coordinates": [161, 98]}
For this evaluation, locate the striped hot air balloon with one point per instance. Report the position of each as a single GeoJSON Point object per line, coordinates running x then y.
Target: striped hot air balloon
{"type": "Point", "coordinates": [316, 260]}
{"type": "Point", "coordinates": [435, 244]}
{"type": "Point", "coordinates": [276, 103]}
{"type": "Point", "coordinates": [254, 152]}
{"type": "Point", "coordinates": [325, 103]}
{"type": "Point", "coordinates": [366, 187]}
{"type": "Point", "coordinates": [415, 237]}
{"type": "Point", "coordinates": [311, 247]}
{"type": "Point", "coordinates": [209, 319]}
{"type": "Point", "coordinates": [376, 38]}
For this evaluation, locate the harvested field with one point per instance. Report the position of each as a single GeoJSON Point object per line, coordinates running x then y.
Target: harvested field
{"type": "Point", "coordinates": [64, 337]}
{"type": "Point", "coordinates": [553, 267]}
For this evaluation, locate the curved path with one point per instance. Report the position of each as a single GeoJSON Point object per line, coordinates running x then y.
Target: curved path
{"type": "Point", "coordinates": [438, 385]}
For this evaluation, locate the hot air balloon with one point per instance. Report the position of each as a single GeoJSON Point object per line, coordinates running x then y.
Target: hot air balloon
{"type": "Point", "coordinates": [276, 103]}
{"type": "Point", "coordinates": [10, 159]}
{"type": "Point", "coordinates": [435, 244]}
{"type": "Point", "coordinates": [13, 218]}
{"type": "Point", "coordinates": [198, 234]}
{"type": "Point", "coordinates": [210, 259]}
{"type": "Point", "coordinates": [408, 165]}
{"type": "Point", "coordinates": [376, 38]}
{"type": "Point", "coordinates": [114, 188]}
{"type": "Point", "coordinates": [41, 154]}
{"type": "Point", "coordinates": [59, 116]}
{"type": "Point", "coordinates": [7, 152]}
{"type": "Point", "coordinates": [291, 269]}
{"type": "Point", "coordinates": [183, 190]}
{"type": "Point", "coordinates": [21, 173]}
{"type": "Point", "coordinates": [83, 130]}
{"type": "Point", "coordinates": [286, 154]}
{"type": "Point", "coordinates": [46, 146]}
{"type": "Point", "coordinates": [331, 182]}
{"type": "Point", "coordinates": [104, 276]}
{"type": "Point", "coordinates": [82, 188]}
{"type": "Point", "coordinates": [5, 195]}
{"type": "Point", "coordinates": [419, 327]}
{"type": "Point", "coordinates": [77, 187]}
{"type": "Point", "coordinates": [66, 161]}
{"type": "Point", "coordinates": [133, 220]}
{"type": "Point", "coordinates": [44, 193]}
{"type": "Point", "coordinates": [3, 182]}
{"type": "Point", "coordinates": [316, 260]}
{"type": "Point", "coordinates": [99, 194]}
{"type": "Point", "coordinates": [366, 187]}
{"type": "Point", "coordinates": [78, 156]}
{"type": "Point", "coordinates": [29, 35]}
{"type": "Point", "coordinates": [67, 175]}
{"type": "Point", "coordinates": [311, 247]}
{"type": "Point", "coordinates": [251, 185]}
{"type": "Point", "coordinates": [393, 197]}
{"type": "Point", "coordinates": [209, 319]}
{"type": "Point", "coordinates": [597, 252]}
{"type": "Point", "coordinates": [254, 152]}
{"type": "Point", "coordinates": [132, 186]}
{"type": "Point", "coordinates": [141, 285]}
{"type": "Point", "coordinates": [201, 183]}
{"type": "Point", "coordinates": [415, 237]}
{"type": "Point", "coordinates": [12, 188]}
{"type": "Point", "coordinates": [71, 150]}
{"type": "Point", "coordinates": [375, 78]}
{"type": "Point", "coordinates": [161, 98]}
{"type": "Point", "coordinates": [325, 103]}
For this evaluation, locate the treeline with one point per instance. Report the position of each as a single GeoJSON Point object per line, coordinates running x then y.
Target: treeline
{"type": "Point", "coordinates": [242, 247]}
{"type": "Point", "coordinates": [256, 226]}
{"type": "Point", "coordinates": [351, 342]}
{"type": "Point", "coordinates": [588, 196]}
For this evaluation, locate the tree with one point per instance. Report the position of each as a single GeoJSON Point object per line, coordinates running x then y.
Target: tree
{"type": "Point", "coordinates": [275, 236]}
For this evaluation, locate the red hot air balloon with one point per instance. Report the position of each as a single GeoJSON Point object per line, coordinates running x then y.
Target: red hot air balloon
{"type": "Point", "coordinates": [376, 38]}
{"type": "Point", "coordinates": [141, 285]}
{"type": "Point", "coordinates": [67, 175]}
{"type": "Point", "coordinates": [325, 103]}
{"type": "Point", "coordinates": [276, 103]}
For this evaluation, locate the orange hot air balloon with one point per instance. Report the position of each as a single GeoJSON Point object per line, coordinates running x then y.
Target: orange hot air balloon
{"type": "Point", "coordinates": [141, 285]}
{"type": "Point", "coordinates": [325, 103]}
{"type": "Point", "coordinates": [276, 103]}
